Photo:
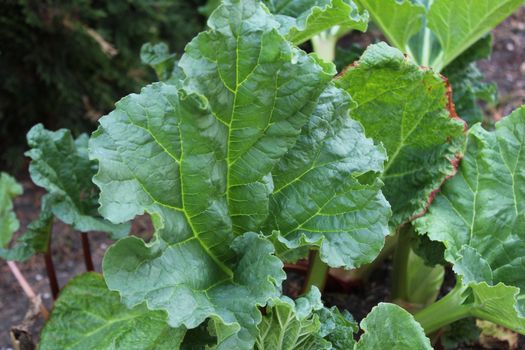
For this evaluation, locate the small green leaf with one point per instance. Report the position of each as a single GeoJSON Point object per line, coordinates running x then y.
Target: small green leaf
{"type": "Point", "coordinates": [305, 325]}
{"type": "Point", "coordinates": [405, 107]}
{"type": "Point", "coordinates": [9, 189]}
{"type": "Point", "coordinates": [292, 326]}
{"type": "Point", "coordinates": [89, 316]}
{"type": "Point", "coordinates": [462, 332]}
{"type": "Point", "coordinates": [388, 326]}
{"type": "Point", "coordinates": [338, 328]}
{"type": "Point", "coordinates": [35, 239]}
{"type": "Point", "coordinates": [301, 20]}
{"type": "Point", "coordinates": [61, 166]}
{"type": "Point", "coordinates": [158, 57]}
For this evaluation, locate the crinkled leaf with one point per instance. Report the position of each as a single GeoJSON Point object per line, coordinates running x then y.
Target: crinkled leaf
{"type": "Point", "coordinates": [338, 328]}
{"type": "Point", "coordinates": [459, 24]}
{"type": "Point", "coordinates": [398, 20]}
{"type": "Point", "coordinates": [406, 108]}
{"type": "Point", "coordinates": [89, 316]}
{"type": "Point", "coordinates": [9, 189]}
{"type": "Point", "coordinates": [158, 57]}
{"type": "Point", "coordinates": [199, 163]}
{"type": "Point", "coordinates": [388, 326]}
{"type": "Point", "coordinates": [200, 158]}
{"type": "Point", "coordinates": [61, 166]}
{"type": "Point", "coordinates": [261, 90]}
{"type": "Point", "coordinates": [305, 324]}
{"type": "Point", "coordinates": [325, 189]}
{"type": "Point", "coordinates": [479, 216]}
{"type": "Point", "coordinates": [35, 239]}
{"type": "Point", "coordinates": [498, 303]}
{"type": "Point", "coordinates": [292, 326]}
{"type": "Point", "coordinates": [468, 82]}
{"type": "Point", "coordinates": [301, 20]}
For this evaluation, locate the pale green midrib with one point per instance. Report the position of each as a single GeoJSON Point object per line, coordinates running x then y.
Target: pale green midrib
{"type": "Point", "coordinates": [512, 173]}
{"type": "Point", "coordinates": [474, 202]}
{"type": "Point", "coordinates": [196, 234]}
{"type": "Point", "coordinates": [460, 49]}
{"type": "Point", "coordinates": [403, 139]}
{"type": "Point", "coordinates": [426, 49]}
{"type": "Point", "coordinates": [283, 327]}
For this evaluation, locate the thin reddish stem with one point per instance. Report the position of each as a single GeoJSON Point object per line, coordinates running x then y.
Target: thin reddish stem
{"type": "Point", "coordinates": [87, 252]}
{"type": "Point", "coordinates": [51, 274]}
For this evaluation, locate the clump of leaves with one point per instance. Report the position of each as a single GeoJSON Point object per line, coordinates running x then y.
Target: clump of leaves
{"type": "Point", "coordinates": [248, 154]}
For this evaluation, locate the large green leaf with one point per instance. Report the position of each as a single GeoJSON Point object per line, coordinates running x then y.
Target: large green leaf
{"type": "Point", "coordinates": [479, 216]}
{"type": "Point", "coordinates": [459, 24]}
{"type": "Point", "coordinates": [262, 90]}
{"type": "Point", "coordinates": [198, 159]}
{"type": "Point", "coordinates": [398, 20]}
{"type": "Point", "coordinates": [61, 166]}
{"type": "Point", "coordinates": [407, 109]}
{"type": "Point", "coordinates": [326, 193]}
{"type": "Point", "coordinates": [89, 316]}
{"type": "Point", "coordinates": [192, 270]}
{"type": "Point", "coordinates": [388, 326]}
{"type": "Point", "coordinates": [301, 20]}
{"type": "Point", "coordinates": [9, 189]}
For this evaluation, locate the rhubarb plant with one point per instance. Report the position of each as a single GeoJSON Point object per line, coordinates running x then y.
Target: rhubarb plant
{"type": "Point", "coordinates": [250, 154]}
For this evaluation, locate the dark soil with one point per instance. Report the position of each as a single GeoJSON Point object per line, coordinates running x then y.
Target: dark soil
{"type": "Point", "coordinates": [506, 68]}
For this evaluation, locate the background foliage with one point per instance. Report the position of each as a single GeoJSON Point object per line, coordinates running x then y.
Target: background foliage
{"type": "Point", "coordinates": [65, 62]}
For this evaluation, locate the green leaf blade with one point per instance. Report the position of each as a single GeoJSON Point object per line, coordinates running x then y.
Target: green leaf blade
{"type": "Point", "coordinates": [319, 198]}
{"type": "Point", "coordinates": [388, 326]}
{"type": "Point", "coordinates": [249, 81]}
{"type": "Point", "coordinates": [460, 24]}
{"type": "Point", "coordinates": [399, 20]}
{"type": "Point", "coordinates": [407, 109]}
{"type": "Point", "coordinates": [9, 189]}
{"type": "Point", "coordinates": [484, 240]}
{"type": "Point", "coordinates": [61, 165]}
{"type": "Point", "coordinates": [89, 316]}
{"type": "Point", "coordinates": [302, 20]}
